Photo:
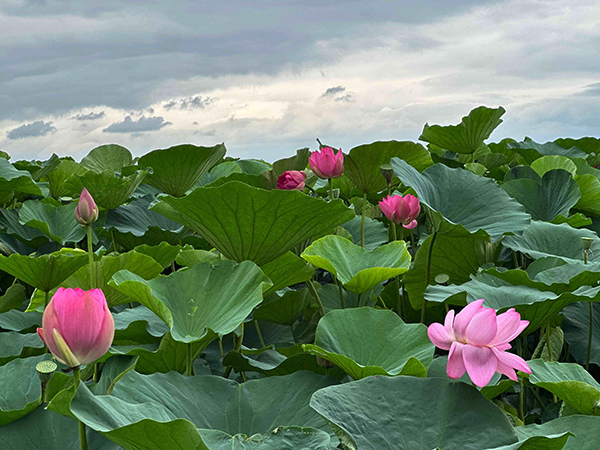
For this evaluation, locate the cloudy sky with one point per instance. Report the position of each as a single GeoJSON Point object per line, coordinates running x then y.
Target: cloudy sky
{"type": "Point", "coordinates": [269, 77]}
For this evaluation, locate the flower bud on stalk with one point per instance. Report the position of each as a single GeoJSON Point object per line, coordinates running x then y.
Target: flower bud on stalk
{"type": "Point", "coordinates": [327, 164]}
{"type": "Point", "coordinates": [86, 212]}
{"type": "Point", "coordinates": [291, 179]}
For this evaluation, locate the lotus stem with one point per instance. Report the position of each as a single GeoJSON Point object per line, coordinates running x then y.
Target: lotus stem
{"type": "Point", "coordinates": [548, 343]}
{"type": "Point", "coordinates": [46, 298]}
{"type": "Point", "coordinates": [428, 274]}
{"type": "Point", "coordinates": [330, 183]}
{"type": "Point", "coordinates": [315, 294]}
{"type": "Point", "coordinates": [413, 249]}
{"type": "Point", "coordinates": [342, 302]}
{"type": "Point", "coordinates": [260, 336]}
{"type": "Point", "coordinates": [237, 347]}
{"type": "Point", "coordinates": [91, 256]}
{"type": "Point", "coordinates": [591, 329]}
{"type": "Point", "coordinates": [188, 359]}
{"type": "Point", "coordinates": [362, 221]}
{"type": "Point", "coordinates": [82, 434]}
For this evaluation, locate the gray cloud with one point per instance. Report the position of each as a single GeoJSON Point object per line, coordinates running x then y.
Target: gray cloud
{"type": "Point", "coordinates": [189, 103]}
{"type": "Point", "coordinates": [90, 116]}
{"type": "Point", "coordinates": [333, 90]}
{"type": "Point", "coordinates": [591, 90]}
{"type": "Point", "coordinates": [346, 98]}
{"type": "Point", "coordinates": [128, 125]}
{"type": "Point", "coordinates": [35, 129]}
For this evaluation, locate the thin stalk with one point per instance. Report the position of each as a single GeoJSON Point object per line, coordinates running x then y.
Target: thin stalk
{"type": "Point", "coordinates": [315, 294]}
{"type": "Point", "coordinates": [82, 435]}
{"type": "Point", "coordinates": [362, 221]}
{"type": "Point", "coordinates": [173, 267]}
{"type": "Point", "coordinates": [521, 386]}
{"type": "Point", "coordinates": [237, 347]}
{"type": "Point", "coordinates": [44, 392]}
{"type": "Point", "coordinates": [330, 188]}
{"type": "Point", "coordinates": [536, 396]}
{"type": "Point", "coordinates": [46, 298]}
{"type": "Point", "coordinates": [591, 330]}
{"type": "Point", "coordinates": [221, 347]}
{"type": "Point", "coordinates": [428, 274]}
{"type": "Point", "coordinates": [260, 336]}
{"type": "Point", "coordinates": [188, 359]}
{"type": "Point", "coordinates": [342, 301]}
{"type": "Point", "coordinates": [91, 255]}
{"type": "Point", "coordinates": [359, 299]}
{"type": "Point", "coordinates": [396, 279]}
{"type": "Point", "coordinates": [413, 248]}
{"type": "Point", "coordinates": [515, 260]}
{"type": "Point", "coordinates": [548, 342]}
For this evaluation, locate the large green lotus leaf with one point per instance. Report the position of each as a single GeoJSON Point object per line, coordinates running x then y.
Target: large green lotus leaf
{"type": "Point", "coordinates": [282, 438]}
{"type": "Point", "coordinates": [107, 158]}
{"type": "Point", "coordinates": [587, 144]}
{"type": "Point", "coordinates": [467, 136]}
{"type": "Point", "coordinates": [412, 413]}
{"type": "Point", "coordinates": [45, 272]}
{"type": "Point", "coordinates": [164, 253]}
{"type": "Point", "coordinates": [12, 179]}
{"type": "Point", "coordinates": [253, 166]}
{"type": "Point", "coordinates": [569, 382]}
{"type": "Point", "coordinates": [113, 369]}
{"type": "Point", "coordinates": [164, 410]}
{"type": "Point", "coordinates": [56, 222]}
{"type": "Point", "coordinates": [286, 270]}
{"type": "Point", "coordinates": [589, 186]}
{"type": "Point", "coordinates": [177, 169]}
{"type": "Point", "coordinates": [13, 298]}
{"type": "Point", "coordinates": [57, 178]}
{"type": "Point", "coordinates": [365, 341]}
{"type": "Point", "coordinates": [104, 268]}
{"type": "Point", "coordinates": [358, 269]}
{"type": "Point", "coordinates": [330, 296]}
{"type": "Point", "coordinates": [138, 325]}
{"type": "Point", "coordinates": [189, 257]}
{"type": "Point", "coordinates": [551, 442]}
{"type": "Point", "coordinates": [362, 164]}
{"type": "Point", "coordinates": [458, 257]}
{"type": "Point", "coordinates": [39, 169]}
{"type": "Point", "coordinates": [542, 239]}
{"type": "Point", "coordinates": [376, 233]}
{"type": "Point", "coordinates": [576, 325]}
{"type": "Point", "coordinates": [459, 197]}
{"type": "Point", "coordinates": [221, 170]}
{"type": "Point", "coordinates": [273, 363]}
{"type": "Point", "coordinates": [257, 181]}
{"type": "Point", "coordinates": [536, 306]}
{"type": "Point", "coordinates": [531, 150]}
{"type": "Point", "coordinates": [20, 389]}
{"type": "Point", "coordinates": [555, 195]}
{"type": "Point", "coordinates": [246, 223]}
{"type": "Point", "coordinates": [204, 297]}
{"type": "Point", "coordinates": [553, 162]}
{"type": "Point", "coordinates": [16, 320]}
{"type": "Point", "coordinates": [284, 309]}
{"type": "Point", "coordinates": [577, 220]}
{"type": "Point", "coordinates": [16, 345]}
{"type": "Point", "coordinates": [135, 218]}
{"type": "Point", "coordinates": [9, 221]}
{"type": "Point", "coordinates": [47, 430]}
{"type": "Point", "coordinates": [586, 430]}
{"type": "Point", "coordinates": [108, 190]}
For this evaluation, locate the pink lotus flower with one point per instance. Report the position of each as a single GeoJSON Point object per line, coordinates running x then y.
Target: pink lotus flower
{"type": "Point", "coordinates": [400, 209]}
{"type": "Point", "coordinates": [77, 326]}
{"type": "Point", "coordinates": [86, 212]}
{"type": "Point", "coordinates": [478, 340]}
{"type": "Point", "coordinates": [291, 179]}
{"type": "Point", "coordinates": [327, 164]}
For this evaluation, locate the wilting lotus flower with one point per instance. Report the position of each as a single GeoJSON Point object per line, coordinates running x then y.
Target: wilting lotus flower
{"type": "Point", "coordinates": [291, 179]}
{"type": "Point", "coordinates": [77, 326]}
{"type": "Point", "coordinates": [400, 209]}
{"type": "Point", "coordinates": [327, 164]}
{"type": "Point", "coordinates": [86, 212]}
{"type": "Point", "coordinates": [478, 340]}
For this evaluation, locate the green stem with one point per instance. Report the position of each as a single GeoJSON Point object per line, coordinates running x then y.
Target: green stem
{"type": "Point", "coordinates": [589, 349]}
{"type": "Point", "coordinates": [82, 435]}
{"type": "Point", "coordinates": [358, 301]}
{"type": "Point", "coordinates": [428, 274]}
{"type": "Point", "coordinates": [394, 232]}
{"type": "Point", "coordinates": [330, 188]}
{"type": "Point", "coordinates": [188, 359]}
{"type": "Point", "coordinates": [221, 347]}
{"type": "Point", "coordinates": [237, 347]}
{"type": "Point", "coordinates": [397, 279]}
{"type": "Point", "coordinates": [521, 386]}
{"type": "Point", "coordinates": [342, 302]}
{"type": "Point", "coordinates": [315, 294]}
{"type": "Point", "coordinates": [548, 341]}
{"type": "Point", "coordinates": [46, 298]}
{"type": "Point", "coordinates": [413, 249]}
{"type": "Point", "coordinates": [362, 221]}
{"type": "Point", "coordinates": [91, 255]}
{"type": "Point", "coordinates": [260, 336]}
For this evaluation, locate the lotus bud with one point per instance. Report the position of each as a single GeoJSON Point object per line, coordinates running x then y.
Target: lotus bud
{"type": "Point", "coordinates": [387, 172]}
{"type": "Point", "coordinates": [77, 326]}
{"type": "Point", "coordinates": [401, 210]}
{"type": "Point", "coordinates": [86, 212]}
{"type": "Point", "coordinates": [291, 179]}
{"type": "Point", "coordinates": [327, 164]}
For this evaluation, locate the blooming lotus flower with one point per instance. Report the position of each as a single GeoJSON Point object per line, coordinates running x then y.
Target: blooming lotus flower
{"type": "Point", "coordinates": [86, 212]}
{"type": "Point", "coordinates": [401, 210]}
{"type": "Point", "coordinates": [291, 179]}
{"type": "Point", "coordinates": [478, 340]}
{"type": "Point", "coordinates": [327, 164]}
{"type": "Point", "coordinates": [77, 326]}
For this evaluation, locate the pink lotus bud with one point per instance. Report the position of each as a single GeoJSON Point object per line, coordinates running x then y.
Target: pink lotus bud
{"type": "Point", "coordinates": [291, 179]}
{"type": "Point", "coordinates": [327, 164]}
{"type": "Point", "coordinates": [400, 209]}
{"type": "Point", "coordinates": [77, 326]}
{"type": "Point", "coordinates": [478, 341]}
{"type": "Point", "coordinates": [86, 212]}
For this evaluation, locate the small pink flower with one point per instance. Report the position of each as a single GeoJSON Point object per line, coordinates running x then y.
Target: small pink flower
{"type": "Point", "coordinates": [291, 179]}
{"type": "Point", "coordinates": [478, 340]}
{"type": "Point", "coordinates": [86, 212]}
{"type": "Point", "coordinates": [327, 164]}
{"type": "Point", "coordinates": [401, 210]}
{"type": "Point", "coordinates": [77, 326]}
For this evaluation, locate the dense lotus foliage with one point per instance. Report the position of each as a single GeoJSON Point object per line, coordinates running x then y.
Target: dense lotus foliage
{"type": "Point", "coordinates": [399, 295]}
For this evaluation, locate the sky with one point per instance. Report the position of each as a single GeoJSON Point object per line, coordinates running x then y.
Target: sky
{"type": "Point", "coordinates": [267, 78]}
